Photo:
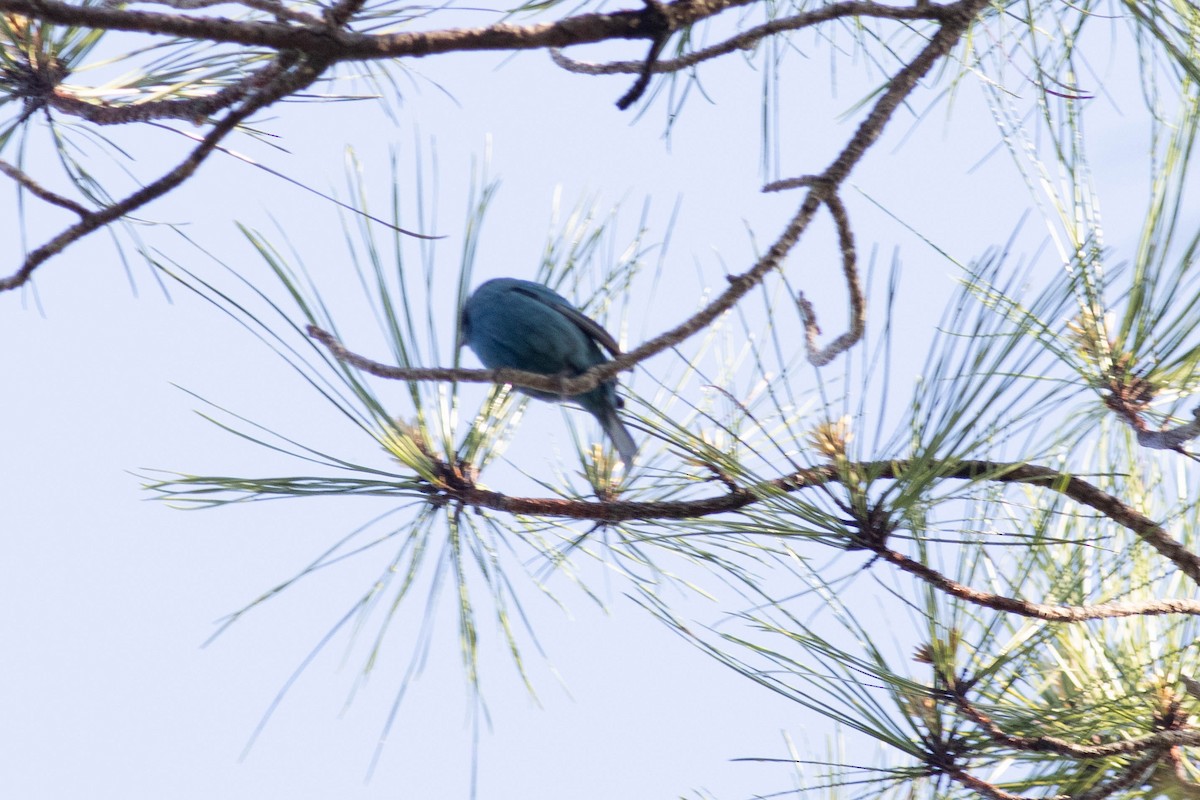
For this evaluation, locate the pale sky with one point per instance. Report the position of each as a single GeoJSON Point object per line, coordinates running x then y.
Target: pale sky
{"type": "Point", "coordinates": [107, 594]}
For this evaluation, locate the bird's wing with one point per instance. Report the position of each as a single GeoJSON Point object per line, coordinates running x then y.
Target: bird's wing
{"type": "Point", "coordinates": [583, 322]}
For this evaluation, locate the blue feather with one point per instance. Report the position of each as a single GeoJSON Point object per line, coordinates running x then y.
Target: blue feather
{"type": "Point", "coordinates": [516, 324]}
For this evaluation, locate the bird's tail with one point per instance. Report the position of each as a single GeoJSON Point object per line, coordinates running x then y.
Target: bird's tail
{"type": "Point", "coordinates": [616, 430]}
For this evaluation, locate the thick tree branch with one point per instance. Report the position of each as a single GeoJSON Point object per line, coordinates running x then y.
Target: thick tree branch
{"type": "Point", "coordinates": [1070, 486]}
{"type": "Point", "coordinates": [335, 44]}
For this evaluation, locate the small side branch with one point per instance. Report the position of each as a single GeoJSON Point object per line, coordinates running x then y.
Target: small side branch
{"type": "Point", "coordinates": [41, 192]}
{"type": "Point", "coordinates": [191, 109]}
{"type": "Point", "coordinates": [817, 356]}
{"type": "Point", "coordinates": [1158, 741]}
{"type": "Point", "coordinates": [659, 26]}
{"type": "Point", "coordinates": [1025, 608]}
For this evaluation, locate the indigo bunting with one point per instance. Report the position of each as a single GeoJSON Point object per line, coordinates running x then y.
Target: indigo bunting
{"type": "Point", "coordinates": [516, 324]}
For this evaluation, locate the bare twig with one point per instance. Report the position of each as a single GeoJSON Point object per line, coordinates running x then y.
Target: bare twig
{"type": "Point", "coordinates": [40, 191]}
{"type": "Point", "coordinates": [958, 18]}
{"type": "Point", "coordinates": [858, 303]}
{"type": "Point", "coordinates": [659, 23]}
{"type": "Point", "coordinates": [802, 182]}
{"type": "Point", "coordinates": [991, 791]}
{"type": "Point", "coordinates": [1025, 608]}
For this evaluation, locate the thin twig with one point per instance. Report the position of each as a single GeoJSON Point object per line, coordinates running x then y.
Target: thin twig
{"type": "Point", "coordinates": [658, 22]}
{"type": "Point", "coordinates": [802, 182]}
{"type": "Point", "coordinates": [40, 191]}
{"type": "Point", "coordinates": [1025, 608]}
{"type": "Point", "coordinates": [991, 791]}
{"type": "Point", "coordinates": [333, 44]}
{"type": "Point", "coordinates": [858, 303]}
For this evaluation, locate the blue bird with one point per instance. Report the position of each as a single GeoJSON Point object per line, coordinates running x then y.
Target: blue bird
{"type": "Point", "coordinates": [515, 324]}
